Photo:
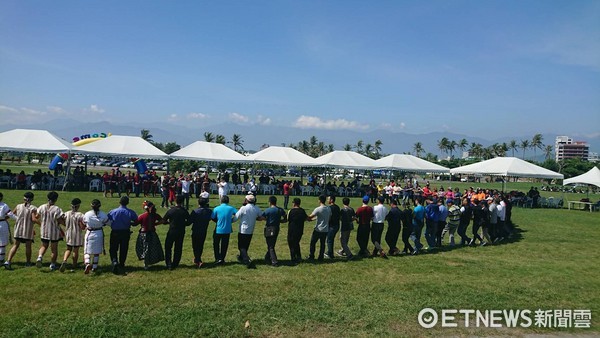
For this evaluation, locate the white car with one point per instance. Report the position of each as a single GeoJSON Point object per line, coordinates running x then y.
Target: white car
{"type": "Point", "coordinates": [128, 165]}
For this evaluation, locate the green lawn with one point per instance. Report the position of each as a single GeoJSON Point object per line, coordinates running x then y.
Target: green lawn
{"type": "Point", "coordinates": [552, 264]}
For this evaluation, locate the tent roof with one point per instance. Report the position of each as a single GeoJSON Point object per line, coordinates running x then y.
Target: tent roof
{"type": "Point", "coordinates": [409, 163]}
{"type": "Point", "coordinates": [33, 141]}
{"type": "Point", "coordinates": [591, 177]}
{"type": "Point", "coordinates": [207, 151]}
{"type": "Point", "coordinates": [347, 160]}
{"type": "Point", "coordinates": [507, 166]}
{"type": "Point", "coordinates": [118, 145]}
{"type": "Point", "coordinates": [283, 156]}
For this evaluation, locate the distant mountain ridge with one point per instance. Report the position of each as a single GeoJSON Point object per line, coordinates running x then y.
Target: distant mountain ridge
{"type": "Point", "coordinates": [254, 136]}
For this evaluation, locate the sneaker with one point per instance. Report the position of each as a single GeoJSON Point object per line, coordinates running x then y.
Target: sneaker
{"type": "Point", "coordinates": [341, 253]}
{"type": "Point", "coordinates": [327, 256]}
{"type": "Point", "coordinates": [38, 264]}
{"type": "Point", "coordinates": [383, 255]}
{"type": "Point", "coordinates": [239, 259]}
{"type": "Point", "coordinates": [88, 268]}
{"type": "Point", "coordinates": [53, 267]}
{"type": "Point", "coordinates": [200, 265]}
{"type": "Point", "coordinates": [251, 265]}
{"type": "Point", "coordinates": [7, 266]}
{"type": "Point", "coordinates": [28, 264]}
{"type": "Point", "coordinates": [115, 268]}
{"type": "Point", "coordinates": [484, 243]}
{"type": "Point", "coordinates": [220, 262]}
{"type": "Point", "coordinates": [63, 267]}
{"type": "Point", "coordinates": [472, 241]}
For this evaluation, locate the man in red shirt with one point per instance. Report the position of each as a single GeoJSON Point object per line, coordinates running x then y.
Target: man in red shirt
{"type": "Point", "coordinates": [364, 214]}
{"type": "Point", "coordinates": [286, 194]}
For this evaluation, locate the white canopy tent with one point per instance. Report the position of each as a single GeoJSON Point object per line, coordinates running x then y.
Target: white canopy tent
{"type": "Point", "coordinates": [409, 163]}
{"type": "Point", "coordinates": [207, 151]}
{"type": "Point", "coordinates": [33, 141]}
{"type": "Point", "coordinates": [507, 167]}
{"type": "Point", "coordinates": [346, 160]}
{"type": "Point", "coordinates": [125, 146]}
{"type": "Point", "coordinates": [284, 156]}
{"type": "Point", "coordinates": [592, 177]}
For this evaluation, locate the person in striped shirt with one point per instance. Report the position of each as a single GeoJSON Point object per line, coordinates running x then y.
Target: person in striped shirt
{"type": "Point", "coordinates": [49, 216]}
{"type": "Point", "coordinates": [74, 233]}
{"type": "Point", "coordinates": [24, 233]}
{"type": "Point", "coordinates": [5, 237]}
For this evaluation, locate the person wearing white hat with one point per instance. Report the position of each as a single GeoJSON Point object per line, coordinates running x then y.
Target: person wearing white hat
{"type": "Point", "coordinates": [248, 214]}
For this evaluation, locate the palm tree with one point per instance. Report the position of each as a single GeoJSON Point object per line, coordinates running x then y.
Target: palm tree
{"type": "Point", "coordinates": [513, 145]}
{"type": "Point", "coordinates": [524, 145]}
{"type": "Point", "coordinates": [209, 137]}
{"type": "Point", "coordinates": [330, 148]}
{"type": "Point", "coordinates": [368, 150]}
{"type": "Point", "coordinates": [220, 139]}
{"type": "Point", "coordinates": [536, 142]}
{"type": "Point", "coordinates": [548, 150]}
{"type": "Point", "coordinates": [359, 146]}
{"type": "Point", "coordinates": [476, 150]}
{"type": "Point", "coordinates": [418, 149]}
{"type": "Point", "coordinates": [452, 147]}
{"type": "Point", "coordinates": [462, 145]}
{"type": "Point", "coordinates": [377, 147]}
{"type": "Point", "coordinates": [145, 133]}
{"type": "Point", "coordinates": [347, 147]}
{"type": "Point", "coordinates": [313, 141]}
{"type": "Point", "coordinates": [443, 145]}
{"type": "Point", "coordinates": [238, 143]}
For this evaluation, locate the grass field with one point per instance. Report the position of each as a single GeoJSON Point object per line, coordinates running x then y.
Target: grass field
{"type": "Point", "coordinates": [551, 264]}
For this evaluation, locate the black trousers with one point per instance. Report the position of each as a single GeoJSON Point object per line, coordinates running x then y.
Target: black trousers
{"type": "Point", "coordinates": [391, 236]}
{"type": "Point", "coordinates": [271, 255]}
{"type": "Point", "coordinates": [293, 237]}
{"type": "Point", "coordinates": [286, 200]}
{"type": "Point", "coordinates": [320, 237]}
{"type": "Point", "coordinates": [173, 239]}
{"type": "Point", "coordinates": [198, 239]}
{"type": "Point", "coordinates": [406, 231]}
{"type": "Point", "coordinates": [243, 245]}
{"type": "Point", "coordinates": [220, 245]}
{"type": "Point", "coordinates": [438, 233]}
{"type": "Point", "coordinates": [119, 242]}
{"type": "Point", "coordinates": [362, 238]}
{"type": "Point", "coordinates": [376, 232]}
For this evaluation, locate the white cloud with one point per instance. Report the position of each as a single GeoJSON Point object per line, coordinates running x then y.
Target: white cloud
{"type": "Point", "coordinates": [173, 117]}
{"type": "Point", "coordinates": [238, 118]}
{"type": "Point", "coordinates": [94, 108]}
{"type": "Point", "coordinates": [307, 122]}
{"type": "Point", "coordinates": [402, 125]}
{"type": "Point", "coordinates": [56, 110]}
{"type": "Point", "coordinates": [263, 120]}
{"type": "Point", "coordinates": [33, 112]}
{"type": "Point", "coordinates": [8, 109]}
{"type": "Point", "coordinates": [199, 116]}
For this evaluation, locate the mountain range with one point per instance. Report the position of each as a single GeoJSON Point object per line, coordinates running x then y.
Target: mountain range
{"type": "Point", "coordinates": [254, 136]}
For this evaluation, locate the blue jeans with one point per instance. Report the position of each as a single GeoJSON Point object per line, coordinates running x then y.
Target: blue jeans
{"type": "Point", "coordinates": [333, 230]}
{"type": "Point", "coordinates": [415, 236]}
{"type": "Point", "coordinates": [431, 232]}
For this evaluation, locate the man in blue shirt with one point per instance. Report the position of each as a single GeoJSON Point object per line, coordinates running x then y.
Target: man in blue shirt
{"type": "Point", "coordinates": [274, 216]}
{"type": "Point", "coordinates": [121, 218]}
{"type": "Point", "coordinates": [418, 217]}
{"type": "Point", "coordinates": [223, 215]}
{"type": "Point", "coordinates": [432, 216]}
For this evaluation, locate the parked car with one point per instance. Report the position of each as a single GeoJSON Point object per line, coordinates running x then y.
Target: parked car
{"type": "Point", "coordinates": [128, 165]}
{"type": "Point", "coordinates": [154, 166]}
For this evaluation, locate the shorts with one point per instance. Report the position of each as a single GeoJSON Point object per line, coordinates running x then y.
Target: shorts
{"type": "Point", "coordinates": [46, 241]}
{"type": "Point", "coordinates": [70, 247]}
{"type": "Point", "coordinates": [23, 240]}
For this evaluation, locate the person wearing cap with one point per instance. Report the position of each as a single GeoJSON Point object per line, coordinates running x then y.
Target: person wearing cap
{"type": "Point", "coordinates": [364, 215]}
{"type": "Point", "coordinates": [178, 218]}
{"type": "Point", "coordinates": [248, 214]}
{"type": "Point", "coordinates": [380, 213]}
{"type": "Point", "coordinates": [223, 215]}
{"type": "Point", "coordinates": [442, 221]}
{"type": "Point", "coordinates": [93, 244]}
{"type": "Point", "coordinates": [200, 218]}
{"type": "Point", "coordinates": [121, 218]}
{"type": "Point", "coordinates": [5, 238]}
{"type": "Point", "coordinates": [394, 219]}
{"type": "Point", "coordinates": [296, 218]}
{"type": "Point", "coordinates": [148, 247]}
{"type": "Point", "coordinates": [49, 217]}
{"type": "Point", "coordinates": [274, 216]}
{"type": "Point", "coordinates": [453, 220]}
{"type": "Point", "coordinates": [24, 216]}
{"type": "Point", "coordinates": [74, 234]}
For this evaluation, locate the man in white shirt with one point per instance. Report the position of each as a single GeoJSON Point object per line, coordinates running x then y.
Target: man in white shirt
{"type": "Point", "coordinates": [185, 190]}
{"type": "Point", "coordinates": [247, 215]}
{"type": "Point", "coordinates": [379, 214]}
{"type": "Point", "coordinates": [223, 188]}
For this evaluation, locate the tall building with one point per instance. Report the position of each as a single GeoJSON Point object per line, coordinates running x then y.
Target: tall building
{"type": "Point", "coordinates": [565, 148]}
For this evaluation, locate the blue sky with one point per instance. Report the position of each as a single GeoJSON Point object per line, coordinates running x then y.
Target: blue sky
{"type": "Point", "coordinates": [482, 68]}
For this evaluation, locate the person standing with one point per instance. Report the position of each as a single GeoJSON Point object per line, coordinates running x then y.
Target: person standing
{"type": "Point", "coordinates": [147, 246]}
{"type": "Point", "coordinates": [200, 219]}
{"type": "Point", "coordinates": [364, 214]}
{"type": "Point", "coordinates": [407, 228]}
{"type": "Point", "coordinates": [49, 216]}
{"type": "Point", "coordinates": [418, 222]}
{"type": "Point", "coordinates": [379, 214]}
{"type": "Point", "coordinates": [432, 214]}
{"type": "Point", "coordinates": [453, 220]}
{"type": "Point", "coordinates": [247, 215]}
{"type": "Point", "coordinates": [74, 234]}
{"type": "Point", "coordinates": [442, 221]}
{"type": "Point", "coordinates": [296, 218]}
{"type": "Point", "coordinates": [322, 214]}
{"type": "Point", "coordinates": [274, 216]}
{"type": "Point", "coordinates": [121, 218]}
{"type": "Point", "coordinates": [223, 188]}
{"type": "Point", "coordinates": [286, 194]}
{"type": "Point", "coordinates": [178, 218]}
{"type": "Point", "coordinates": [334, 226]}
{"type": "Point", "coordinates": [24, 215]}
{"type": "Point", "coordinates": [223, 215]}
{"type": "Point", "coordinates": [347, 218]}
{"type": "Point", "coordinates": [185, 190]}
{"type": "Point", "coordinates": [5, 237]}
{"type": "Point", "coordinates": [480, 220]}
{"type": "Point", "coordinates": [466, 213]}
{"type": "Point", "coordinates": [93, 244]}
{"type": "Point", "coordinates": [394, 219]}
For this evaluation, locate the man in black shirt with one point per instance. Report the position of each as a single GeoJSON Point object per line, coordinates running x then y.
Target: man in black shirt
{"type": "Point", "coordinates": [407, 218]}
{"type": "Point", "coordinates": [296, 218]}
{"type": "Point", "coordinates": [200, 218]}
{"type": "Point", "coordinates": [334, 226]}
{"type": "Point", "coordinates": [347, 217]}
{"type": "Point", "coordinates": [394, 218]}
{"type": "Point", "coordinates": [178, 218]}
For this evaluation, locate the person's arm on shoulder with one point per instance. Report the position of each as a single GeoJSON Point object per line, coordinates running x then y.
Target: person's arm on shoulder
{"type": "Point", "coordinates": [284, 218]}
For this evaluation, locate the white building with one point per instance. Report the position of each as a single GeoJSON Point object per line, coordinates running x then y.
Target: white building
{"type": "Point", "coordinates": [565, 148]}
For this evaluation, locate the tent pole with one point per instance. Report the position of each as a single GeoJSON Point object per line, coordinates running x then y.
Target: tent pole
{"type": "Point", "coordinates": [68, 172]}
